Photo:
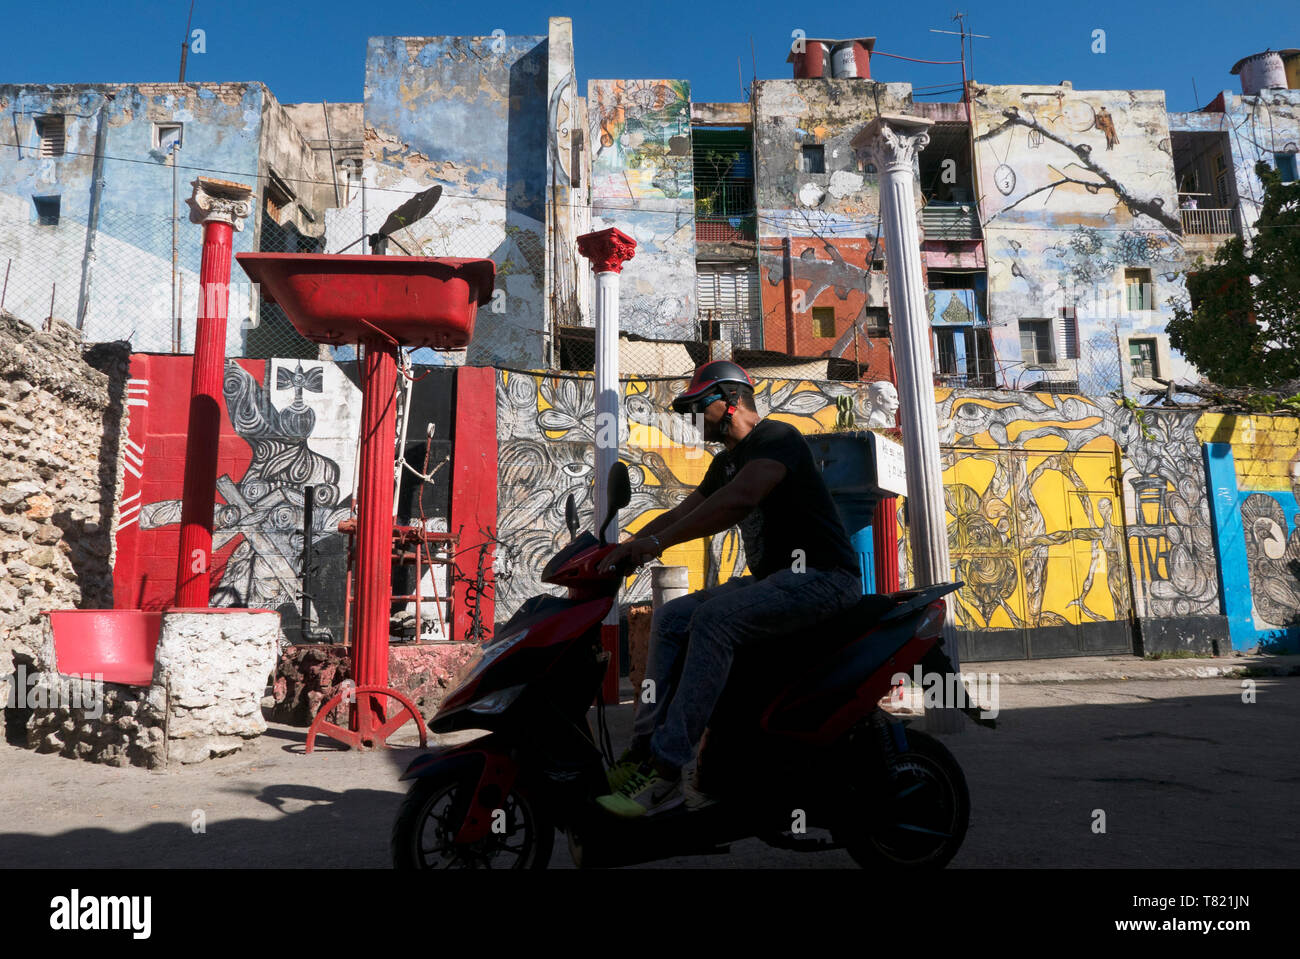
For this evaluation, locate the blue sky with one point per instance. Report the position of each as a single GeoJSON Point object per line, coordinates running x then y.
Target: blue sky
{"type": "Point", "coordinates": [314, 51]}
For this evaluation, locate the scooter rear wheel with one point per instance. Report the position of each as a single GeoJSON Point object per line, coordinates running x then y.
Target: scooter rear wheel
{"type": "Point", "coordinates": [920, 819]}
{"type": "Point", "coordinates": [433, 812]}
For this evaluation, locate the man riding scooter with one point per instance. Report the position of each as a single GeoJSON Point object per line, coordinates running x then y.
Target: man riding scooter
{"type": "Point", "coordinates": [803, 571]}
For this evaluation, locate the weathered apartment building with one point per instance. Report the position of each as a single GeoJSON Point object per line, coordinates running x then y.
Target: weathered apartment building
{"type": "Point", "coordinates": [1057, 224]}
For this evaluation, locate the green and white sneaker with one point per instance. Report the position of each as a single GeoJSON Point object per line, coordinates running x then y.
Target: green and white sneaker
{"type": "Point", "coordinates": [645, 793]}
{"type": "Point", "coordinates": [622, 770]}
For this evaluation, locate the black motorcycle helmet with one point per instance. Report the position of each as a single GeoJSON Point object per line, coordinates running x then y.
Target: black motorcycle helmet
{"type": "Point", "coordinates": [719, 376]}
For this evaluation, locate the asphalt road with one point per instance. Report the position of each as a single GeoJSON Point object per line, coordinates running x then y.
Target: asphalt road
{"type": "Point", "coordinates": [1186, 773]}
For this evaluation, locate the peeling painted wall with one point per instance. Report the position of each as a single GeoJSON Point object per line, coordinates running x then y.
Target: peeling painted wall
{"type": "Point", "coordinates": [469, 113]}
{"type": "Point", "coordinates": [817, 231]}
{"type": "Point", "coordinates": [1075, 186]}
{"type": "Point", "coordinates": [643, 184]}
{"type": "Point", "coordinates": [131, 275]}
{"type": "Point", "coordinates": [568, 186]}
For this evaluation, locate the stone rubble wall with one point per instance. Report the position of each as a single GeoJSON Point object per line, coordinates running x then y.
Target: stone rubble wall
{"type": "Point", "coordinates": [117, 725]}
{"type": "Point", "coordinates": [62, 423]}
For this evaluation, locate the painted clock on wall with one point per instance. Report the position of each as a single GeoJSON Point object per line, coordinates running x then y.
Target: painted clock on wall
{"type": "Point", "coordinates": [1004, 178]}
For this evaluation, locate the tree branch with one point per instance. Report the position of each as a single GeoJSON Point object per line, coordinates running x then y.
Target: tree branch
{"type": "Point", "coordinates": [1084, 152]}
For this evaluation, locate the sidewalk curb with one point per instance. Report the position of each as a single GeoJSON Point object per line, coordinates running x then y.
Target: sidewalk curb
{"type": "Point", "coordinates": [1019, 672]}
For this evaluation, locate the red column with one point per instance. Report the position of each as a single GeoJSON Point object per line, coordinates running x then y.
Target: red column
{"type": "Point", "coordinates": [884, 542]}
{"type": "Point", "coordinates": [220, 206]}
{"type": "Point", "coordinates": [374, 544]}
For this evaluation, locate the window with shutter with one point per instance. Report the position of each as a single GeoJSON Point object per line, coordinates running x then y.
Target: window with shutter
{"type": "Point", "coordinates": [51, 131]}
{"type": "Point", "coordinates": [1070, 332]}
{"type": "Point", "coordinates": [728, 299]}
{"type": "Point", "coordinates": [1036, 343]}
{"type": "Point", "coordinates": [1138, 286]}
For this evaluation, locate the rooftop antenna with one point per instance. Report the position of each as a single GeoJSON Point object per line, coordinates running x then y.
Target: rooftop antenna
{"type": "Point", "coordinates": [185, 44]}
{"type": "Point", "coordinates": [960, 19]}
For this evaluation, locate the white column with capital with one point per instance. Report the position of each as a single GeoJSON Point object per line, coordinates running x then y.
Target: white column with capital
{"type": "Point", "coordinates": [607, 250]}
{"type": "Point", "coordinates": [891, 142]}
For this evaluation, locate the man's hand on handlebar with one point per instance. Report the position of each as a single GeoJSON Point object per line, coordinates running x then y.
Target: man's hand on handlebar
{"type": "Point", "coordinates": [630, 555]}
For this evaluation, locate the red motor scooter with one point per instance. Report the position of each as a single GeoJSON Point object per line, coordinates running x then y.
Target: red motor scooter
{"type": "Point", "coordinates": [833, 761]}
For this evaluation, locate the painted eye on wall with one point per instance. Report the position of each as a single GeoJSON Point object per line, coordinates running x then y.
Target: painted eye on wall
{"type": "Point", "coordinates": [576, 470]}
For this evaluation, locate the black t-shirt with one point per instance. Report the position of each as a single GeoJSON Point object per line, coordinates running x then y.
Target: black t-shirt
{"type": "Point", "coordinates": [798, 514]}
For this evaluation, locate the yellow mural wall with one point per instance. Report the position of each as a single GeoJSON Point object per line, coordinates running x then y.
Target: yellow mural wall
{"type": "Point", "coordinates": [1265, 449]}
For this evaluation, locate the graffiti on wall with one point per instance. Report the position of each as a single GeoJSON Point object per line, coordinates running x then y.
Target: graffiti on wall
{"type": "Point", "coordinates": [642, 182]}
{"type": "Point", "coordinates": [641, 138]}
{"type": "Point", "coordinates": [801, 274]}
{"type": "Point", "coordinates": [1254, 465]}
{"type": "Point", "coordinates": [546, 442]}
{"type": "Point", "coordinates": [1170, 534]}
{"type": "Point", "coordinates": [1083, 500]}
{"type": "Point", "coordinates": [1035, 521]}
{"type": "Point", "coordinates": [258, 528]}
{"type": "Point", "coordinates": [470, 114]}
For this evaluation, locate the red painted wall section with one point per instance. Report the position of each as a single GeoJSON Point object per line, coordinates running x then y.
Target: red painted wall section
{"type": "Point", "coordinates": [144, 576]}
{"type": "Point", "coordinates": [474, 491]}
{"type": "Point", "coordinates": [822, 273]}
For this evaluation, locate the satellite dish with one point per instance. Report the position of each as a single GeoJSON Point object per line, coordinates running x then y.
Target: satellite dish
{"type": "Point", "coordinates": [413, 210]}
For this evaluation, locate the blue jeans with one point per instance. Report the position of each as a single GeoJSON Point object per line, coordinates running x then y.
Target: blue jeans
{"type": "Point", "coordinates": [694, 639]}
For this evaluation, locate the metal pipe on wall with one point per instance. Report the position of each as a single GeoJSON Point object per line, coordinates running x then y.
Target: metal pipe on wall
{"type": "Point", "coordinates": [92, 219]}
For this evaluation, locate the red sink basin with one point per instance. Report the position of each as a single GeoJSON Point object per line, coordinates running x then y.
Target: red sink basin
{"type": "Point", "coordinates": [338, 298]}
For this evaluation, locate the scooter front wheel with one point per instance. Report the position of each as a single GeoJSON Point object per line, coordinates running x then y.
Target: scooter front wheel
{"type": "Point", "coordinates": [920, 814]}
{"type": "Point", "coordinates": [424, 834]}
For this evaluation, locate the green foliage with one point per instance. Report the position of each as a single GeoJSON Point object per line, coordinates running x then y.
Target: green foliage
{"type": "Point", "coordinates": [1271, 403]}
{"type": "Point", "coordinates": [1139, 414]}
{"type": "Point", "coordinates": [1245, 330]}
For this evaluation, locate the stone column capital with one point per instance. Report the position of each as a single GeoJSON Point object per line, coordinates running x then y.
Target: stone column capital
{"type": "Point", "coordinates": [892, 140]}
{"type": "Point", "coordinates": [607, 250]}
{"type": "Point", "coordinates": [220, 201]}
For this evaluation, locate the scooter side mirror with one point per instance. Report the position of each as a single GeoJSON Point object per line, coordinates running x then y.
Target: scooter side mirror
{"type": "Point", "coordinates": [620, 494]}
{"type": "Point", "coordinates": [571, 517]}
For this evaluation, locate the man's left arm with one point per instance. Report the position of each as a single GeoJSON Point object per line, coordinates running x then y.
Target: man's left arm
{"type": "Point", "coordinates": [729, 505]}
{"type": "Point", "coordinates": [724, 509]}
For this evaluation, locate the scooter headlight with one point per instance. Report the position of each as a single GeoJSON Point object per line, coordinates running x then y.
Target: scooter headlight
{"type": "Point", "coordinates": [497, 702]}
{"type": "Point", "coordinates": [491, 650]}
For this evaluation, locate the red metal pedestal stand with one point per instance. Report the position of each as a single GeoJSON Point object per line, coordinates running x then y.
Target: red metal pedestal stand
{"type": "Point", "coordinates": [380, 302]}
{"type": "Point", "coordinates": [370, 724]}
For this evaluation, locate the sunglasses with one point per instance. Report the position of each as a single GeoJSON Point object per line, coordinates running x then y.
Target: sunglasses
{"type": "Point", "coordinates": [698, 406]}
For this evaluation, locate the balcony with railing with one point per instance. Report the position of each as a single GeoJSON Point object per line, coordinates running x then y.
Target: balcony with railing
{"type": "Point", "coordinates": [724, 211]}
{"type": "Point", "coordinates": [1213, 222]}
